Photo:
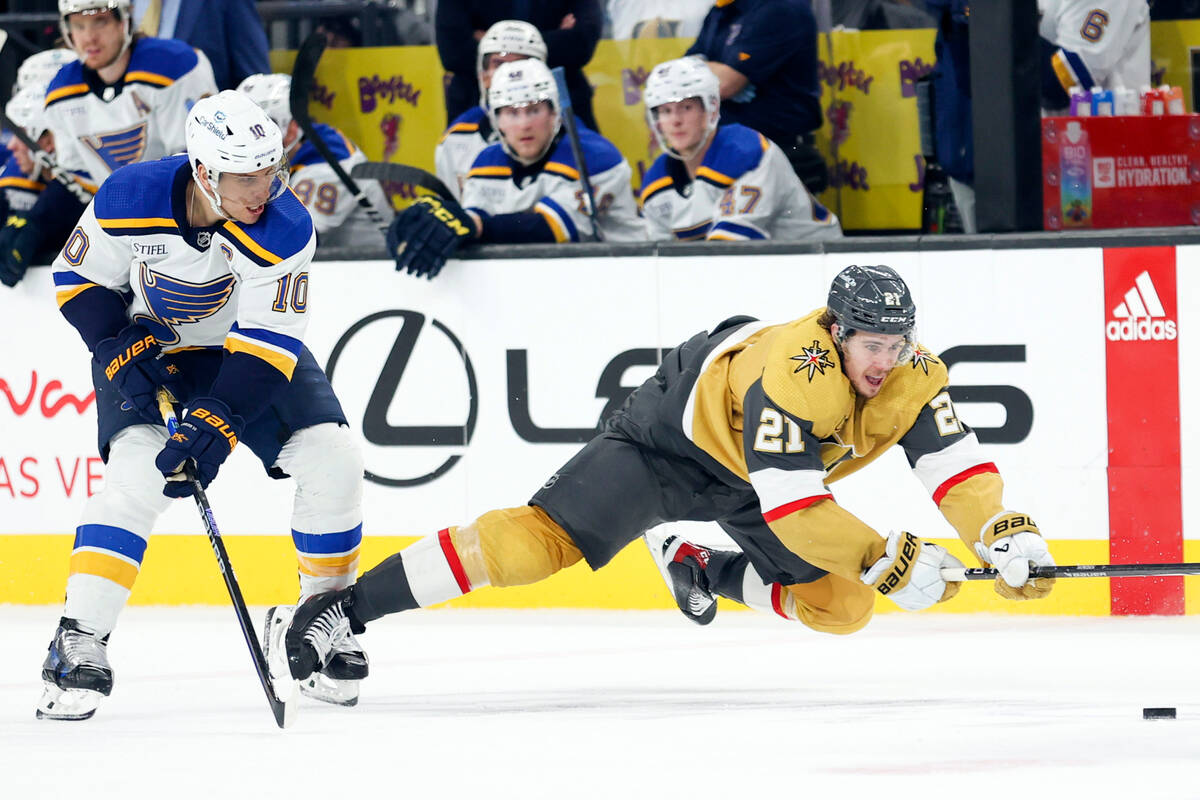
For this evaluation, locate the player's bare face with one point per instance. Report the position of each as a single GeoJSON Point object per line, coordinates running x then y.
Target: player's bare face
{"type": "Point", "coordinates": [98, 37]}
{"type": "Point", "coordinates": [527, 129]}
{"type": "Point", "coordinates": [492, 62]}
{"type": "Point", "coordinates": [245, 197]}
{"type": "Point", "coordinates": [683, 124]}
{"type": "Point", "coordinates": [867, 358]}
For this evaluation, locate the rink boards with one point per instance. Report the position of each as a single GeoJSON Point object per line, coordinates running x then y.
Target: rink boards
{"type": "Point", "coordinates": [1075, 365]}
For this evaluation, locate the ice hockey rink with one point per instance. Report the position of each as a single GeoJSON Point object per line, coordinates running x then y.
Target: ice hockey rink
{"type": "Point", "coordinates": [567, 704]}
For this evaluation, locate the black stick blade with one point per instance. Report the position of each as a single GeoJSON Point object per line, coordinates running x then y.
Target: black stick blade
{"type": "Point", "coordinates": [401, 173]}
{"type": "Point", "coordinates": [303, 75]}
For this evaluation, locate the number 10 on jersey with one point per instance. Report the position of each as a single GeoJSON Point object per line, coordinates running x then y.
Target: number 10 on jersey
{"type": "Point", "coordinates": [299, 293]}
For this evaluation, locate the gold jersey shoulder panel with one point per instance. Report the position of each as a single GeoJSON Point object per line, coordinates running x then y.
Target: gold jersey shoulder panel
{"type": "Point", "coordinates": [802, 374]}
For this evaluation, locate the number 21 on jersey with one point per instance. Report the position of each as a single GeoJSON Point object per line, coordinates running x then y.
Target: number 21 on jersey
{"type": "Point", "coordinates": [944, 416]}
{"type": "Point", "coordinates": [770, 437]}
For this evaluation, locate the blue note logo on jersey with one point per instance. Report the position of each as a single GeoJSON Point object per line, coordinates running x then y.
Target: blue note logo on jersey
{"type": "Point", "coordinates": [118, 148]}
{"type": "Point", "coordinates": [175, 302]}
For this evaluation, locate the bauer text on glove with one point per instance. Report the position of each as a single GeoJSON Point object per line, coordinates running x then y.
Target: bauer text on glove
{"type": "Point", "coordinates": [1011, 542]}
{"type": "Point", "coordinates": [909, 572]}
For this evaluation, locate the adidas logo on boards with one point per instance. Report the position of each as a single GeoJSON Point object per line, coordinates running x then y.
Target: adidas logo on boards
{"type": "Point", "coordinates": [1141, 316]}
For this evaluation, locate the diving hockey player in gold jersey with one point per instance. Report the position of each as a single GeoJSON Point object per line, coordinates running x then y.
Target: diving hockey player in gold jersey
{"type": "Point", "coordinates": [744, 425]}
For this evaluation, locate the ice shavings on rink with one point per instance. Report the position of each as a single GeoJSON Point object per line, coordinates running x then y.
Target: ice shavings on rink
{"type": "Point", "coordinates": [570, 704]}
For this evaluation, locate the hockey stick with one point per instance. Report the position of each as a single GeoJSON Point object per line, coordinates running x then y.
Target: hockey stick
{"type": "Point", "coordinates": [304, 73]}
{"type": "Point", "coordinates": [401, 173]}
{"type": "Point", "coordinates": [1079, 571]}
{"type": "Point", "coordinates": [283, 709]}
{"type": "Point", "coordinates": [46, 160]}
{"type": "Point", "coordinates": [568, 115]}
{"type": "Point", "coordinates": [40, 156]}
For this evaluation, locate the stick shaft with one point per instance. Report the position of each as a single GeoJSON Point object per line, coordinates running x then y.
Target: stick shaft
{"type": "Point", "coordinates": [303, 74]}
{"type": "Point", "coordinates": [166, 408]}
{"type": "Point", "coordinates": [1080, 571]}
{"type": "Point", "coordinates": [45, 159]}
{"type": "Point", "coordinates": [568, 115]}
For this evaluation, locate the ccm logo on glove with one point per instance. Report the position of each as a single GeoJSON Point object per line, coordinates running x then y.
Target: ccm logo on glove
{"type": "Point", "coordinates": [907, 552]}
{"type": "Point", "coordinates": [445, 215]}
{"type": "Point", "coordinates": [134, 350]}
{"type": "Point", "coordinates": [217, 422]}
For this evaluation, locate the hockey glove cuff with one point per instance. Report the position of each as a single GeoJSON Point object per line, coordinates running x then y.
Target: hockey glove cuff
{"type": "Point", "coordinates": [1011, 542]}
{"type": "Point", "coordinates": [134, 365]}
{"type": "Point", "coordinates": [909, 572]}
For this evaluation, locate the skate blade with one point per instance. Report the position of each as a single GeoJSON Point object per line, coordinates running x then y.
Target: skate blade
{"type": "Point", "coordinates": [285, 688]}
{"type": "Point", "coordinates": [328, 690]}
{"type": "Point", "coordinates": [67, 704]}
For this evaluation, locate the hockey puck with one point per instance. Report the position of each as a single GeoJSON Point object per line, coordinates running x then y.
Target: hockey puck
{"type": "Point", "coordinates": [1158, 713]}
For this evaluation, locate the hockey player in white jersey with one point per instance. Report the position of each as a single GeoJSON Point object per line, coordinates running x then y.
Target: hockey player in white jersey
{"type": "Point", "coordinates": [40, 68]}
{"type": "Point", "coordinates": [21, 182]}
{"type": "Point", "coordinates": [526, 187]}
{"type": "Point", "coordinates": [1092, 44]}
{"type": "Point", "coordinates": [508, 40]}
{"type": "Point", "coordinates": [713, 183]}
{"type": "Point", "coordinates": [190, 273]}
{"type": "Point", "coordinates": [36, 239]}
{"type": "Point", "coordinates": [339, 219]}
{"type": "Point", "coordinates": [126, 98]}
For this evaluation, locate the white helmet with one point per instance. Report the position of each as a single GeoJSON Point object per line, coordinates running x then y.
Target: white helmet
{"type": "Point", "coordinates": [523, 83]}
{"type": "Point", "coordinates": [121, 8]}
{"type": "Point", "coordinates": [228, 132]}
{"type": "Point", "coordinates": [25, 109]}
{"type": "Point", "coordinates": [40, 68]}
{"type": "Point", "coordinates": [505, 37]}
{"type": "Point", "coordinates": [673, 81]}
{"type": "Point", "coordinates": [272, 92]}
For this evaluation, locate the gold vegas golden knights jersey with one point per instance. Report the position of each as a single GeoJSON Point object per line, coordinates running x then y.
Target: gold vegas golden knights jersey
{"type": "Point", "coordinates": [771, 406]}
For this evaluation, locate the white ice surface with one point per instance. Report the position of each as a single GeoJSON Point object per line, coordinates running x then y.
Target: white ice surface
{"type": "Point", "coordinates": [569, 704]}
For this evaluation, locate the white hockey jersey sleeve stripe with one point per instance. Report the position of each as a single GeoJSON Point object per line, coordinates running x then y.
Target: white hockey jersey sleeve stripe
{"type": "Point", "coordinates": [782, 491]}
{"type": "Point", "coordinates": [559, 220]}
{"type": "Point", "coordinates": [277, 349]}
{"type": "Point", "coordinates": [941, 470]}
{"type": "Point", "coordinates": [732, 231]}
{"type": "Point", "coordinates": [1071, 70]}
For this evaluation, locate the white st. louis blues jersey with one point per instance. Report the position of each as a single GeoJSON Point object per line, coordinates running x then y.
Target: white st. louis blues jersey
{"type": "Point", "coordinates": [240, 287]}
{"type": "Point", "coordinates": [498, 184]}
{"type": "Point", "coordinates": [745, 188]}
{"type": "Point", "coordinates": [460, 145]}
{"type": "Point", "coordinates": [339, 220]}
{"type": "Point", "coordinates": [1104, 43]}
{"type": "Point", "coordinates": [99, 128]}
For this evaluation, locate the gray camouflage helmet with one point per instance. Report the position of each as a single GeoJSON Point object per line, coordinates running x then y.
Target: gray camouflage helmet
{"type": "Point", "coordinates": [872, 300]}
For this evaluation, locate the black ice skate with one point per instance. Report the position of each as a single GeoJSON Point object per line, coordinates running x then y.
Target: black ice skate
{"type": "Point", "coordinates": [322, 651]}
{"type": "Point", "coordinates": [683, 565]}
{"type": "Point", "coordinates": [76, 673]}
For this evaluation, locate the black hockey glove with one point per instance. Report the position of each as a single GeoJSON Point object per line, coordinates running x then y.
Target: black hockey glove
{"type": "Point", "coordinates": [134, 365]}
{"type": "Point", "coordinates": [427, 233]}
{"type": "Point", "coordinates": [18, 243]}
{"type": "Point", "coordinates": [207, 435]}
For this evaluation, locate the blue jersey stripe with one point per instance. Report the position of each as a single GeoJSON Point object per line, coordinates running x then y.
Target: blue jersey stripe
{"type": "Point", "coordinates": [317, 543]}
{"type": "Point", "coordinates": [68, 278]}
{"type": "Point", "coordinates": [564, 216]}
{"type": "Point", "coordinates": [117, 540]}
{"type": "Point", "coordinates": [741, 230]}
{"type": "Point", "coordinates": [291, 344]}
